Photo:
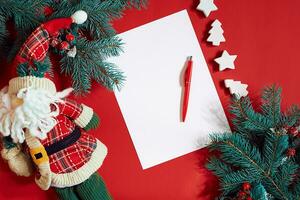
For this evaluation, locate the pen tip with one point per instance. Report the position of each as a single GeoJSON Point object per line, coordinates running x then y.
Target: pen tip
{"type": "Point", "coordinates": [190, 57]}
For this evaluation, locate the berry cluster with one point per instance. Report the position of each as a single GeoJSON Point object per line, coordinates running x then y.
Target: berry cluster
{"type": "Point", "coordinates": [244, 193]}
{"type": "Point", "coordinates": [64, 42]}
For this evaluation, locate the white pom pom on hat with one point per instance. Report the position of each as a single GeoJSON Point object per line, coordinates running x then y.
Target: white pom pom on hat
{"type": "Point", "coordinates": [79, 17]}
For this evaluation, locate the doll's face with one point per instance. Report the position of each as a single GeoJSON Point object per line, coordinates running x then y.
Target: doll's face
{"type": "Point", "coordinates": [15, 101]}
{"type": "Point", "coordinates": [28, 109]}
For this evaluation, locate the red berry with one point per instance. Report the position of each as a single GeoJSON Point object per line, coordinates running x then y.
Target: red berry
{"type": "Point", "coordinates": [64, 45]}
{"type": "Point", "coordinates": [293, 131]}
{"type": "Point", "coordinates": [48, 10]}
{"type": "Point", "coordinates": [249, 198]}
{"type": "Point", "coordinates": [70, 37]}
{"type": "Point", "coordinates": [291, 152]}
{"type": "Point", "coordinates": [242, 193]}
{"type": "Point", "coordinates": [246, 186]}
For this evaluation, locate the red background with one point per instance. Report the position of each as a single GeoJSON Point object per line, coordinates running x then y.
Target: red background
{"type": "Point", "coordinates": [265, 36]}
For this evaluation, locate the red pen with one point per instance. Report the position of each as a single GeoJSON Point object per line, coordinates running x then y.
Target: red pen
{"type": "Point", "coordinates": [187, 84]}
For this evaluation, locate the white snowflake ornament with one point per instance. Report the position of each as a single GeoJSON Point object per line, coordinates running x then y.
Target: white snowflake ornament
{"type": "Point", "coordinates": [207, 6]}
{"type": "Point", "coordinates": [216, 33]}
{"type": "Point", "coordinates": [236, 87]}
{"type": "Point", "coordinates": [226, 61]}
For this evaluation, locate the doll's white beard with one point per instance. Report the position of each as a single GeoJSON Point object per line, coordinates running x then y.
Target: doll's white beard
{"type": "Point", "coordinates": [36, 113]}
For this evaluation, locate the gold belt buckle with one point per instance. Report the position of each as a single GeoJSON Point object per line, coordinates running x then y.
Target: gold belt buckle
{"type": "Point", "coordinates": [39, 155]}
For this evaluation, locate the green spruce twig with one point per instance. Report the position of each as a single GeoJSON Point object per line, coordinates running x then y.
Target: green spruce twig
{"type": "Point", "coordinates": [269, 161]}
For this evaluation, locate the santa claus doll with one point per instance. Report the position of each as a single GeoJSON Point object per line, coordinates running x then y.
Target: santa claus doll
{"type": "Point", "coordinates": [42, 130]}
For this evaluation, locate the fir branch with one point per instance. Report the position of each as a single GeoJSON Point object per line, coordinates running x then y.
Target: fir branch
{"type": "Point", "coordinates": [15, 47]}
{"type": "Point", "coordinates": [274, 146]}
{"type": "Point", "coordinates": [286, 173]}
{"type": "Point", "coordinates": [246, 117]}
{"type": "Point", "coordinates": [259, 167]}
{"type": "Point", "coordinates": [81, 79]}
{"type": "Point", "coordinates": [278, 191]}
{"type": "Point", "coordinates": [291, 118]}
{"type": "Point", "coordinates": [270, 157]}
{"type": "Point", "coordinates": [220, 168]}
{"type": "Point", "coordinates": [294, 111]}
{"type": "Point", "coordinates": [106, 47]}
{"type": "Point", "coordinates": [237, 150]}
{"type": "Point", "coordinates": [90, 56]}
{"type": "Point", "coordinates": [124, 4]}
{"type": "Point", "coordinates": [109, 75]}
{"type": "Point", "coordinates": [99, 19]}
{"type": "Point", "coordinates": [271, 104]}
{"type": "Point", "coordinates": [26, 14]}
{"type": "Point", "coordinates": [234, 180]}
{"type": "Point", "coordinates": [64, 9]}
{"type": "Point", "coordinates": [296, 189]}
{"type": "Point", "coordinates": [99, 15]}
{"type": "Point", "coordinates": [134, 3]}
{"type": "Point", "coordinates": [3, 31]}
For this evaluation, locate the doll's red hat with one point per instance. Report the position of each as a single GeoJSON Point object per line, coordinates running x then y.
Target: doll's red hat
{"type": "Point", "coordinates": [28, 65]}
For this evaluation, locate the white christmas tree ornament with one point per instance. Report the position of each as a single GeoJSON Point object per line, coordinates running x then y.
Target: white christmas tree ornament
{"type": "Point", "coordinates": [226, 61]}
{"type": "Point", "coordinates": [216, 33]}
{"type": "Point", "coordinates": [207, 6]}
{"type": "Point", "coordinates": [236, 87]}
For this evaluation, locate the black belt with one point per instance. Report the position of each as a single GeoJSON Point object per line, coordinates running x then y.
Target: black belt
{"type": "Point", "coordinates": [64, 143]}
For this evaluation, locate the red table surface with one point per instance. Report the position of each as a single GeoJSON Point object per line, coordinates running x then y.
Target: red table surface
{"type": "Point", "coordinates": [266, 37]}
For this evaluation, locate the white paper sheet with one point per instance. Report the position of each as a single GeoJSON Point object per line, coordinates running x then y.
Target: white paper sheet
{"type": "Point", "coordinates": [150, 101]}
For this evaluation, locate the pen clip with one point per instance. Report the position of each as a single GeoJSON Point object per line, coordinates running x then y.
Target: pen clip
{"type": "Point", "coordinates": [187, 74]}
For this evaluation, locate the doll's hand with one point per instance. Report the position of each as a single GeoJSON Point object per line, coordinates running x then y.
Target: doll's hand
{"type": "Point", "coordinates": [18, 162]}
{"type": "Point", "coordinates": [43, 179]}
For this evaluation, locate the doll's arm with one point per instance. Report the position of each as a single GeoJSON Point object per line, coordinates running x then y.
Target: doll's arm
{"type": "Point", "coordinates": [18, 162]}
{"type": "Point", "coordinates": [81, 114]}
